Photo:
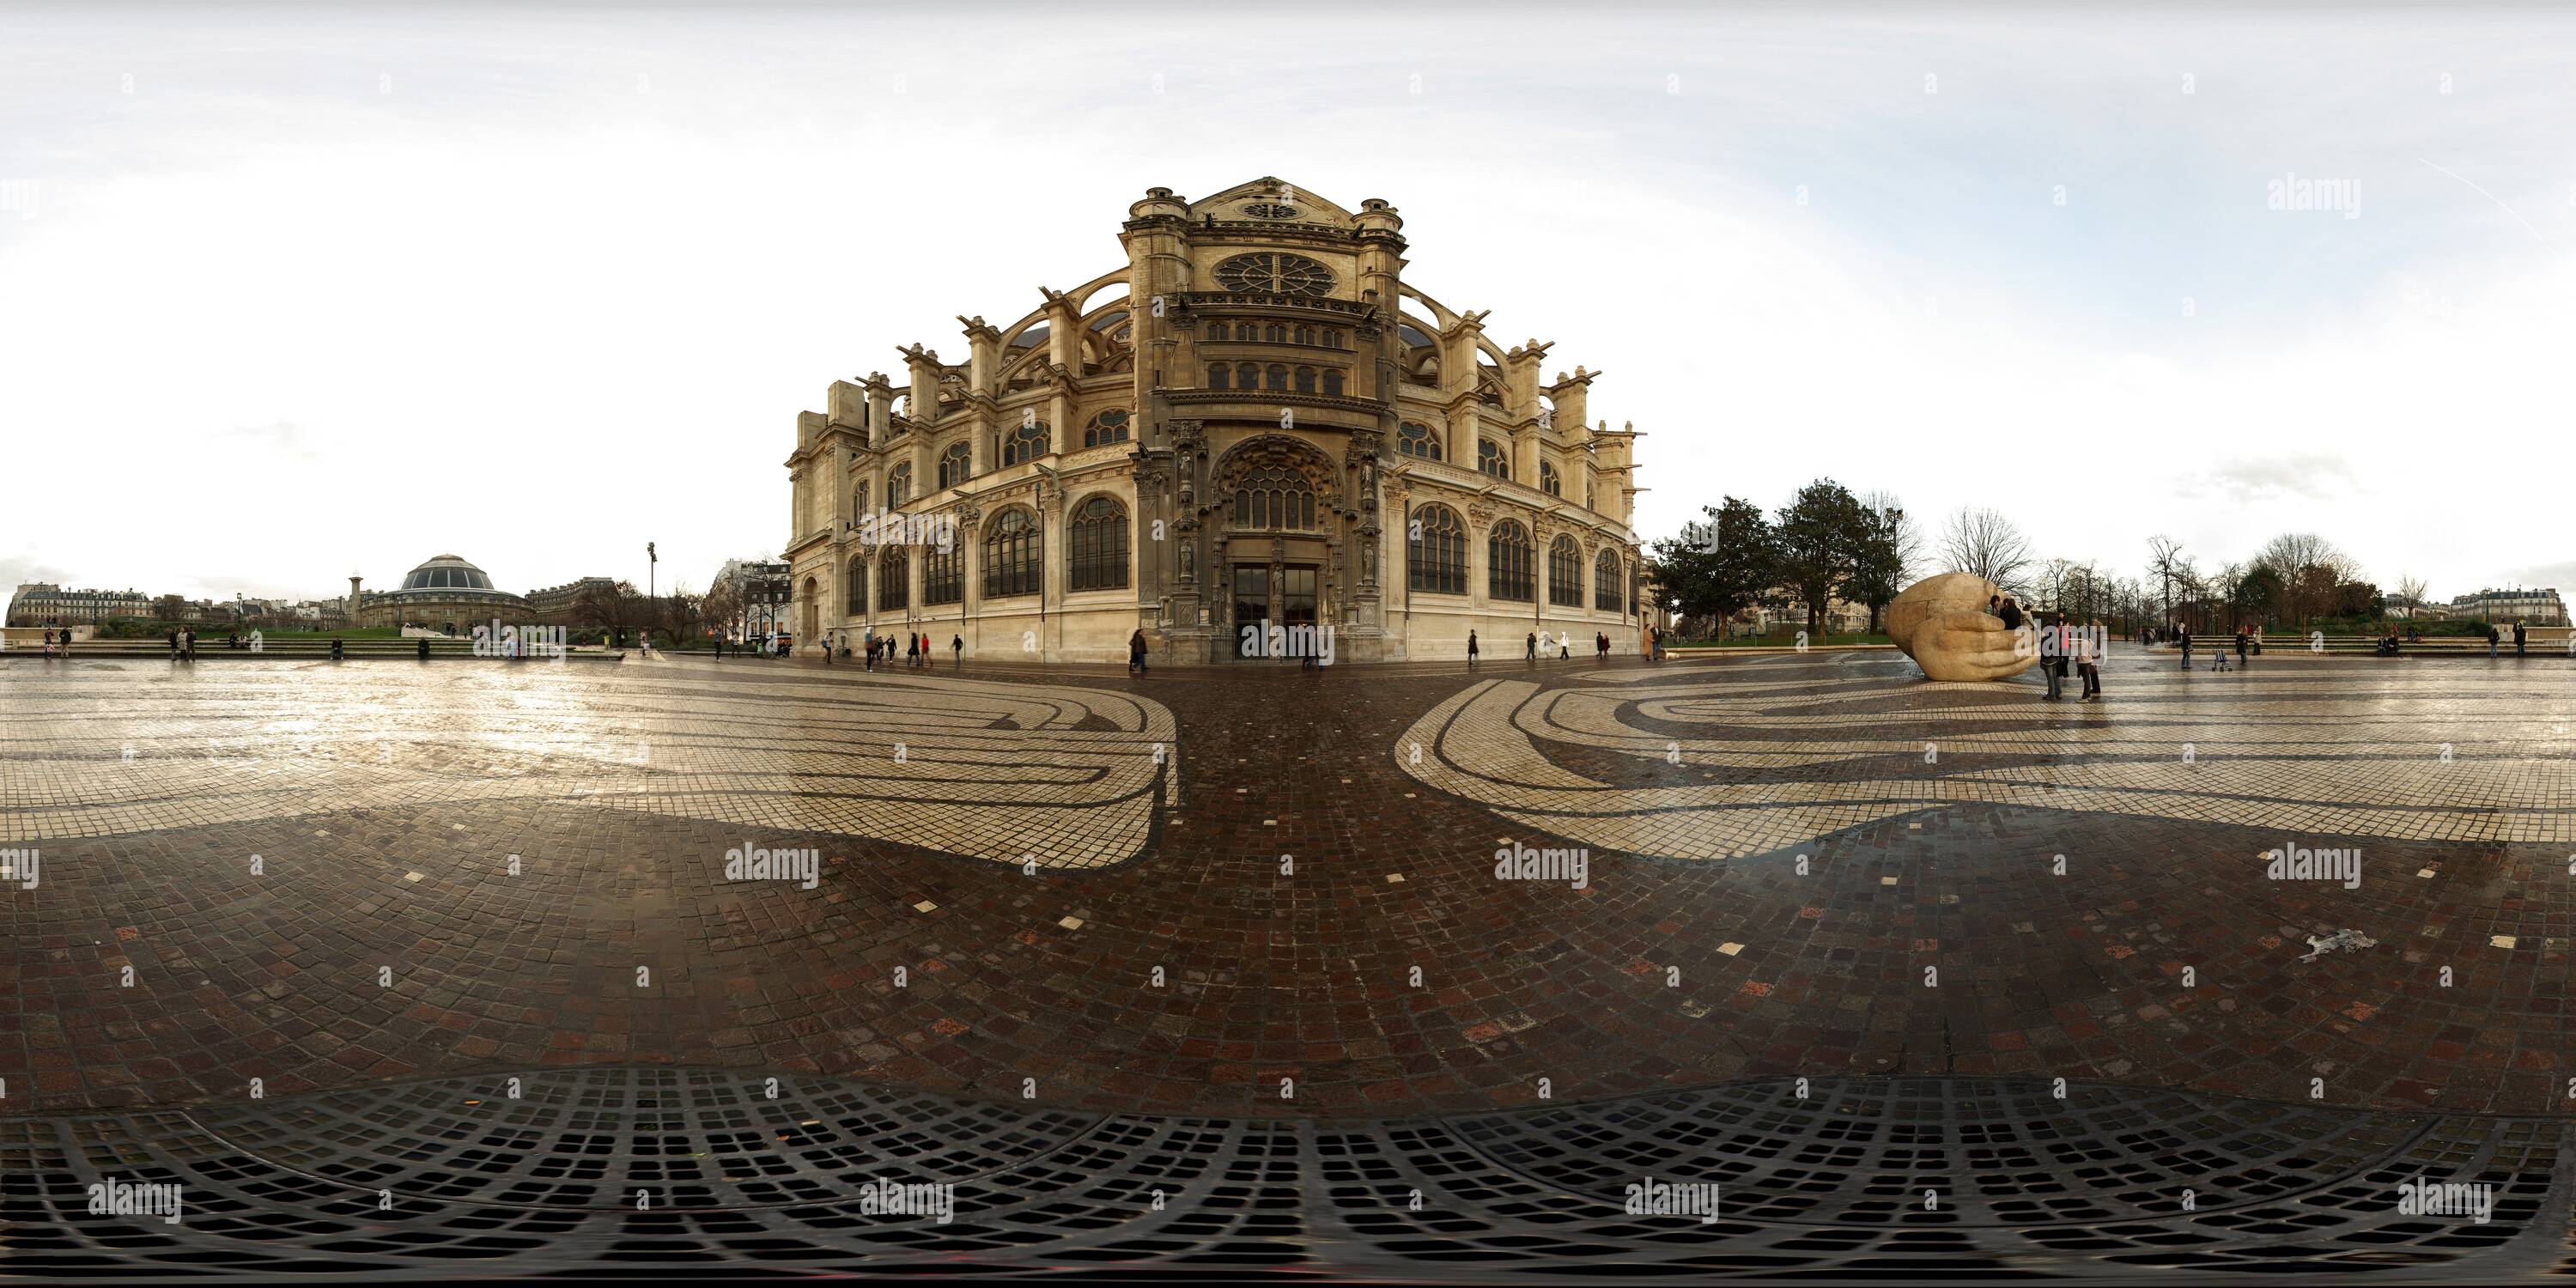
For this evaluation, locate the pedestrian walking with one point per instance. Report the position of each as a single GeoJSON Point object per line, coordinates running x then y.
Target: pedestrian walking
{"type": "Point", "coordinates": [1532, 648]}
{"type": "Point", "coordinates": [1565, 646]}
{"type": "Point", "coordinates": [1136, 652]}
{"type": "Point", "coordinates": [1471, 650]}
{"type": "Point", "coordinates": [2492, 636]}
{"type": "Point", "coordinates": [2183, 635]}
{"type": "Point", "coordinates": [2244, 642]}
{"type": "Point", "coordinates": [912, 653]}
{"type": "Point", "coordinates": [956, 652]}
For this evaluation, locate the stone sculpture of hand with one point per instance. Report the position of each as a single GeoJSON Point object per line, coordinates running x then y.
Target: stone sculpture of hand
{"type": "Point", "coordinates": [1942, 623]}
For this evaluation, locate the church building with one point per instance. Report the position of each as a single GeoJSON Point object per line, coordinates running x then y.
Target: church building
{"type": "Point", "coordinates": [1255, 421]}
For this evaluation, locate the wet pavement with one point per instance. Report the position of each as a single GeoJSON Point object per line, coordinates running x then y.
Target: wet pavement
{"type": "Point", "coordinates": [1240, 891]}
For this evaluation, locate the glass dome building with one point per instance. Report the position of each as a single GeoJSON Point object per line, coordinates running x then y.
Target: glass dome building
{"type": "Point", "coordinates": [445, 592]}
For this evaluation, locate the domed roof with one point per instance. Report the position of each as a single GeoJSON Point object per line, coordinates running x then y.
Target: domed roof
{"type": "Point", "coordinates": [445, 575]}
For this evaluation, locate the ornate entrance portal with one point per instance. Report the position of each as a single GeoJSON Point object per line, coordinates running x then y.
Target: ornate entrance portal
{"type": "Point", "coordinates": [1268, 596]}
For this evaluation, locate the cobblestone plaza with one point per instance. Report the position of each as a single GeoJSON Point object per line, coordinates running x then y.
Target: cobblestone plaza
{"type": "Point", "coordinates": [1273, 899]}
{"type": "Point", "coordinates": [1797, 866]}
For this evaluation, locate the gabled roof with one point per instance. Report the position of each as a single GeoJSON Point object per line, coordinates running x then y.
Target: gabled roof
{"type": "Point", "coordinates": [1249, 200]}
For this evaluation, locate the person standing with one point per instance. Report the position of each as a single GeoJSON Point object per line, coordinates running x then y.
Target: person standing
{"type": "Point", "coordinates": [2052, 659]}
{"type": "Point", "coordinates": [2088, 659]}
{"type": "Point", "coordinates": [911, 651]}
{"type": "Point", "coordinates": [2183, 635]}
{"type": "Point", "coordinates": [1136, 652]}
{"type": "Point", "coordinates": [956, 652]}
{"type": "Point", "coordinates": [2517, 639]}
{"type": "Point", "coordinates": [174, 643]}
{"type": "Point", "coordinates": [1471, 650]}
{"type": "Point", "coordinates": [2244, 642]}
{"type": "Point", "coordinates": [1530, 650]}
{"type": "Point", "coordinates": [2492, 635]}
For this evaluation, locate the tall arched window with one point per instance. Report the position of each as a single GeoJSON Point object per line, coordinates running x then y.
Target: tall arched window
{"type": "Point", "coordinates": [1275, 496]}
{"type": "Point", "coordinates": [1333, 382]}
{"type": "Point", "coordinates": [859, 502]}
{"type": "Point", "coordinates": [856, 598]}
{"type": "Point", "coordinates": [1027, 443]}
{"type": "Point", "coordinates": [1107, 427]}
{"type": "Point", "coordinates": [1490, 459]}
{"type": "Point", "coordinates": [1605, 582]}
{"type": "Point", "coordinates": [943, 574]}
{"type": "Point", "coordinates": [1435, 552]}
{"type": "Point", "coordinates": [899, 486]}
{"type": "Point", "coordinates": [1412, 439]}
{"type": "Point", "coordinates": [1507, 561]}
{"type": "Point", "coordinates": [1247, 376]}
{"type": "Point", "coordinates": [1305, 380]}
{"type": "Point", "coordinates": [1096, 545]}
{"type": "Point", "coordinates": [1548, 480]}
{"type": "Point", "coordinates": [1217, 373]}
{"type": "Point", "coordinates": [1564, 572]}
{"type": "Point", "coordinates": [1013, 555]}
{"type": "Point", "coordinates": [894, 579]}
{"type": "Point", "coordinates": [1278, 377]}
{"type": "Point", "coordinates": [956, 465]}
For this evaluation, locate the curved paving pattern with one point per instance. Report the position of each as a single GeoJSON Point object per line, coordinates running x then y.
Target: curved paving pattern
{"type": "Point", "coordinates": [1993, 1178]}
{"type": "Point", "coordinates": [2411, 754]}
{"type": "Point", "coordinates": [1063, 777]}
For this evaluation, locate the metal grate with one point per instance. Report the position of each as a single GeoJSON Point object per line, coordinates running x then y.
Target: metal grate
{"type": "Point", "coordinates": [644, 1168]}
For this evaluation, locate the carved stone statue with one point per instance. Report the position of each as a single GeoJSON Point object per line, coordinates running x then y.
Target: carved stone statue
{"type": "Point", "coordinates": [1942, 623]}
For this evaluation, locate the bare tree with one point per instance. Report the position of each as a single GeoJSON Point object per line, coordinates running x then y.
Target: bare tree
{"type": "Point", "coordinates": [2165, 562]}
{"type": "Point", "coordinates": [1987, 544]}
{"type": "Point", "coordinates": [2410, 592]}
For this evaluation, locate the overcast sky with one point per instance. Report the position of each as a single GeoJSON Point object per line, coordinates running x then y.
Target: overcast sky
{"type": "Point", "coordinates": [289, 292]}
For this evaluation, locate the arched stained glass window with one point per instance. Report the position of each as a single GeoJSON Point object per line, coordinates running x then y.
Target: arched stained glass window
{"type": "Point", "coordinates": [1565, 572]}
{"type": "Point", "coordinates": [1275, 497]}
{"type": "Point", "coordinates": [1014, 547]}
{"type": "Point", "coordinates": [1507, 561]}
{"type": "Point", "coordinates": [1435, 551]}
{"type": "Point", "coordinates": [1096, 541]}
{"type": "Point", "coordinates": [1414, 439]}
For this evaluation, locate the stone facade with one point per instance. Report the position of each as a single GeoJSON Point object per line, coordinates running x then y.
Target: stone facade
{"type": "Point", "coordinates": [1253, 420]}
